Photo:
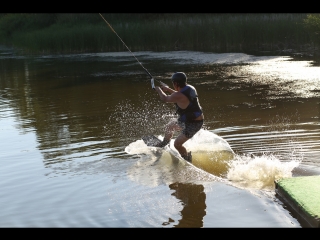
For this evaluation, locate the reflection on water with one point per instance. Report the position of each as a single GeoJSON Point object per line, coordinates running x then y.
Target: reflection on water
{"type": "Point", "coordinates": [193, 200]}
{"type": "Point", "coordinates": [71, 127]}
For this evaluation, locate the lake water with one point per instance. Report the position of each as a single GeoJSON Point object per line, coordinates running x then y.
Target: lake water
{"type": "Point", "coordinates": [72, 155]}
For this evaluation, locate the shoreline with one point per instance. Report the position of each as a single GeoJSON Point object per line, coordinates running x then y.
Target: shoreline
{"type": "Point", "coordinates": [307, 52]}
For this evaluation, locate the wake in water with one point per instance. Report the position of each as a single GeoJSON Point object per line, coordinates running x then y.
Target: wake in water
{"type": "Point", "coordinates": [214, 156]}
{"type": "Point", "coordinates": [211, 154]}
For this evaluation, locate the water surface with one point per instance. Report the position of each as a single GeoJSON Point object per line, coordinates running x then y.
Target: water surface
{"type": "Point", "coordinates": [72, 154]}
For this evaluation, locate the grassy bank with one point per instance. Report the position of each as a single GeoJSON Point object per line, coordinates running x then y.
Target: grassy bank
{"type": "Point", "coordinates": [75, 33]}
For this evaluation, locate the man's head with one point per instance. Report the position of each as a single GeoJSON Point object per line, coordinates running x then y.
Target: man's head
{"type": "Point", "coordinates": [180, 78]}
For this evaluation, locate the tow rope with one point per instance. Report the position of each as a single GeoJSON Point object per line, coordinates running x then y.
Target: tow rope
{"type": "Point", "coordinates": [152, 78]}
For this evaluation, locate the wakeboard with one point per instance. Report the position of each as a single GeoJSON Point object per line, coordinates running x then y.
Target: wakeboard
{"type": "Point", "coordinates": [151, 140]}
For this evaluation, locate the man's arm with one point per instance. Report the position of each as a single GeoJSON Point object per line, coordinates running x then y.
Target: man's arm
{"type": "Point", "coordinates": [165, 88]}
{"type": "Point", "coordinates": [173, 98]}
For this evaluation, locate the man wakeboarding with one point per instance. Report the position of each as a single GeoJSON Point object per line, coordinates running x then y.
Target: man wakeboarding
{"type": "Point", "coordinates": [190, 116]}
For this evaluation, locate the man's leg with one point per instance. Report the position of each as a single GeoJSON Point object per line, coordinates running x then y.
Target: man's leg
{"type": "Point", "coordinates": [178, 144]}
{"type": "Point", "coordinates": [190, 129]}
{"type": "Point", "coordinates": [170, 128]}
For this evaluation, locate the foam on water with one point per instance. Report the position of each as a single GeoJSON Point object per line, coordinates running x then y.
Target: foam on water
{"type": "Point", "coordinates": [259, 172]}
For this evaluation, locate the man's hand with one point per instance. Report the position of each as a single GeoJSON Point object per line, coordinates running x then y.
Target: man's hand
{"type": "Point", "coordinates": [162, 95]}
{"type": "Point", "coordinates": [157, 88]}
{"type": "Point", "coordinates": [164, 86]}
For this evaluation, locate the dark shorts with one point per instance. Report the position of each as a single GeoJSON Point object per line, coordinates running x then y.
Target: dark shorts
{"type": "Point", "coordinates": [189, 129]}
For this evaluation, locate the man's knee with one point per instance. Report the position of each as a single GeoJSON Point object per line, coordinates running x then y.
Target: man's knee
{"type": "Point", "coordinates": [171, 128]}
{"type": "Point", "coordinates": [168, 128]}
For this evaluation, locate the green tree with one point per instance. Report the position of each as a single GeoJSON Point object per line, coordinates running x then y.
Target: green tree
{"type": "Point", "coordinates": [312, 24]}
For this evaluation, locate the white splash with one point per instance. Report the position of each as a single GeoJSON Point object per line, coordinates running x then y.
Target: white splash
{"type": "Point", "coordinates": [205, 140]}
{"type": "Point", "coordinates": [157, 166]}
{"type": "Point", "coordinates": [259, 172]}
{"type": "Point", "coordinates": [139, 147]}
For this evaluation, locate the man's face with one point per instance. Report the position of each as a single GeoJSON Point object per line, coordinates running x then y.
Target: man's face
{"type": "Point", "coordinates": [175, 85]}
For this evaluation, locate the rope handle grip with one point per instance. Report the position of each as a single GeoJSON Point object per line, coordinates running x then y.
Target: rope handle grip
{"type": "Point", "coordinates": [152, 84]}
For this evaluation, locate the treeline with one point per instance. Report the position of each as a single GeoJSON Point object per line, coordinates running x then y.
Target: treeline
{"type": "Point", "coordinates": [41, 33]}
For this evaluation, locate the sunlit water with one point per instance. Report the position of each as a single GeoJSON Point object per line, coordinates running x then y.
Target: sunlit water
{"type": "Point", "coordinates": [72, 155]}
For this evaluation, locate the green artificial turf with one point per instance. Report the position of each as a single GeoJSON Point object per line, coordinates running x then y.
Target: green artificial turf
{"type": "Point", "coordinates": [304, 191]}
